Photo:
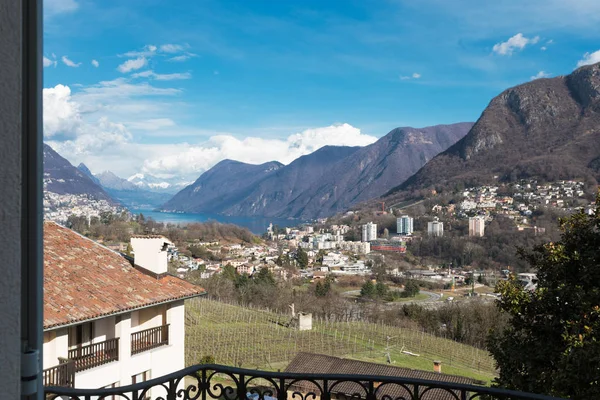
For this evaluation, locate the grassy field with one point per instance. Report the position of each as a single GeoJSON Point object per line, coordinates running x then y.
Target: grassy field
{"type": "Point", "coordinates": [259, 339]}
{"type": "Point", "coordinates": [418, 297]}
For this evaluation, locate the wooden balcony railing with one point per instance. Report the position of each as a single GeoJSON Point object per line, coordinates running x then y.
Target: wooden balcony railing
{"type": "Point", "coordinates": [62, 374]}
{"type": "Point", "coordinates": [149, 339]}
{"type": "Point", "coordinates": [93, 355]}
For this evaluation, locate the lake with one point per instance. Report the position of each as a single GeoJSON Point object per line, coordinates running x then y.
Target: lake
{"type": "Point", "coordinates": [256, 225]}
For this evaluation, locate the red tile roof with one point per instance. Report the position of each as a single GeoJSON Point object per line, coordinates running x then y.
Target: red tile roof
{"type": "Point", "coordinates": [85, 280]}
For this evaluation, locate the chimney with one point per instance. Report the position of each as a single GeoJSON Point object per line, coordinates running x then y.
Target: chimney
{"type": "Point", "coordinates": [150, 252]}
{"type": "Point", "coordinates": [437, 367]}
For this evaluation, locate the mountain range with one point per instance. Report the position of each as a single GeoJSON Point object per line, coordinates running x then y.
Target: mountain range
{"type": "Point", "coordinates": [138, 191]}
{"type": "Point", "coordinates": [547, 129]}
{"type": "Point", "coordinates": [319, 184]}
{"type": "Point", "coordinates": [63, 178]}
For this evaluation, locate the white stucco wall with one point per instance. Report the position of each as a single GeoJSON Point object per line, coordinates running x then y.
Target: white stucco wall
{"type": "Point", "coordinates": [149, 253]}
{"type": "Point", "coordinates": [160, 361]}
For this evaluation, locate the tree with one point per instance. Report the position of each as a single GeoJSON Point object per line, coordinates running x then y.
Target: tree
{"type": "Point", "coordinates": [264, 277]}
{"type": "Point", "coordinates": [323, 289]}
{"type": "Point", "coordinates": [241, 281]}
{"type": "Point", "coordinates": [411, 288]}
{"type": "Point", "coordinates": [320, 256]}
{"type": "Point", "coordinates": [381, 290]}
{"type": "Point", "coordinates": [230, 272]}
{"type": "Point", "coordinates": [552, 341]}
{"type": "Point", "coordinates": [368, 289]}
{"type": "Point", "coordinates": [301, 258]}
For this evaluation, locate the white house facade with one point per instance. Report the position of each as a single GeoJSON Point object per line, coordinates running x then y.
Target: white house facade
{"type": "Point", "coordinates": [109, 322]}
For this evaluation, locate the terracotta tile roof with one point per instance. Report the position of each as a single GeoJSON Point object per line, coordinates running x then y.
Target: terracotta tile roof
{"type": "Point", "coordinates": [85, 280]}
{"type": "Point", "coordinates": [310, 363]}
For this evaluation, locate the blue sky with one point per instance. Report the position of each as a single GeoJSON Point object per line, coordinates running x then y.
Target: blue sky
{"type": "Point", "coordinates": [172, 87]}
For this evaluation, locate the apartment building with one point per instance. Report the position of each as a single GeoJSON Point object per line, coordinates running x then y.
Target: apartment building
{"type": "Point", "coordinates": [369, 232]}
{"type": "Point", "coordinates": [435, 228]}
{"type": "Point", "coordinates": [476, 226]}
{"type": "Point", "coordinates": [109, 321]}
{"type": "Point", "coordinates": [404, 225]}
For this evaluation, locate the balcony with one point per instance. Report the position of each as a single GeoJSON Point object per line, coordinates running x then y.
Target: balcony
{"type": "Point", "coordinates": [62, 374]}
{"type": "Point", "coordinates": [149, 339]}
{"type": "Point", "coordinates": [228, 383]}
{"type": "Point", "coordinates": [93, 355]}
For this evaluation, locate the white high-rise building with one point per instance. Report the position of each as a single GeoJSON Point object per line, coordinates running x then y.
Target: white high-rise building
{"type": "Point", "coordinates": [476, 226]}
{"type": "Point", "coordinates": [369, 232]}
{"type": "Point", "coordinates": [435, 228]}
{"type": "Point", "coordinates": [404, 225]}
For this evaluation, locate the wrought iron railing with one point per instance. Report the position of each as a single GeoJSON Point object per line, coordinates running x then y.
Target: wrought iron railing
{"type": "Point", "coordinates": [228, 383]}
{"type": "Point", "coordinates": [62, 374]}
{"type": "Point", "coordinates": [149, 339]}
{"type": "Point", "coordinates": [95, 354]}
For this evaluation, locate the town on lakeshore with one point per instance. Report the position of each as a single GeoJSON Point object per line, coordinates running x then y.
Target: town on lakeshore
{"type": "Point", "coordinates": [340, 249]}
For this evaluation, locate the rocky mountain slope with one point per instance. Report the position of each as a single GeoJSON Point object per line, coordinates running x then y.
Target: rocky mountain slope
{"type": "Point", "coordinates": [63, 178]}
{"type": "Point", "coordinates": [547, 128]}
{"type": "Point", "coordinates": [319, 184]}
{"type": "Point", "coordinates": [83, 168]}
{"type": "Point", "coordinates": [220, 187]}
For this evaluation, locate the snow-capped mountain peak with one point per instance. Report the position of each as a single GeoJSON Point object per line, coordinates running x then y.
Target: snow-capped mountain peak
{"type": "Point", "coordinates": [153, 183]}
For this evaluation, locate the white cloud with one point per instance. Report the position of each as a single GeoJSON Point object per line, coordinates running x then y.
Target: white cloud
{"type": "Point", "coordinates": [94, 126]}
{"type": "Point", "coordinates": [69, 63]}
{"type": "Point", "coordinates": [170, 77]}
{"type": "Point", "coordinates": [414, 75]}
{"type": "Point", "coordinates": [54, 7]}
{"type": "Point", "coordinates": [162, 77]}
{"type": "Point", "coordinates": [110, 92]}
{"type": "Point", "coordinates": [541, 74]}
{"type": "Point", "coordinates": [143, 74]}
{"type": "Point", "coordinates": [61, 114]}
{"type": "Point", "coordinates": [70, 133]}
{"type": "Point", "coordinates": [182, 57]}
{"type": "Point", "coordinates": [68, 115]}
{"type": "Point", "coordinates": [191, 161]}
{"type": "Point", "coordinates": [517, 42]}
{"type": "Point", "coordinates": [171, 48]}
{"type": "Point", "coordinates": [543, 48]}
{"type": "Point", "coordinates": [48, 62]}
{"type": "Point", "coordinates": [149, 50]}
{"type": "Point", "coordinates": [589, 58]}
{"type": "Point", "coordinates": [96, 137]}
{"type": "Point", "coordinates": [151, 124]}
{"type": "Point", "coordinates": [134, 64]}
{"type": "Point", "coordinates": [95, 63]}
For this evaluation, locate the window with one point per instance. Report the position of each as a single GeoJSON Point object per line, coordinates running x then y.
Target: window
{"type": "Point", "coordinates": [139, 378]}
{"type": "Point", "coordinates": [81, 334]}
{"type": "Point", "coordinates": [113, 385]}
